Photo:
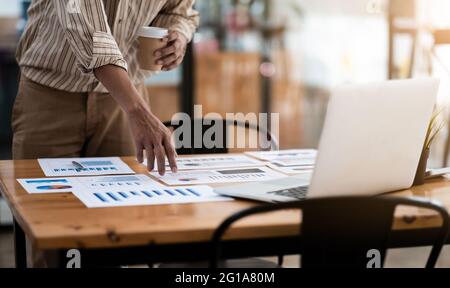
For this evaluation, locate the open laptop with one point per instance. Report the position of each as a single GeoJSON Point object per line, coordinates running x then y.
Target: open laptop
{"type": "Point", "coordinates": [371, 143]}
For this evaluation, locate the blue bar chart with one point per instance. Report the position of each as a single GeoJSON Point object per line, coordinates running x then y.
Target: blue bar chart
{"type": "Point", "coordinates": [58, 167]}
{"type": "Point", "coordinates": [148, 195]}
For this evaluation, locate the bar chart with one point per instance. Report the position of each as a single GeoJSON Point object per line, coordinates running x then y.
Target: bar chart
{"type": "Point", "coordinates": [148, 196]}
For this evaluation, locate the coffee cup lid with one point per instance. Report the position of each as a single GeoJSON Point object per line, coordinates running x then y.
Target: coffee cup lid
{"type": "Point", "coordinates": [153, 32]}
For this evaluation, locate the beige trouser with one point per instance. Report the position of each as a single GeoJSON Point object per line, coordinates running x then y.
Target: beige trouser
{"type": "Point", "coordinates": [53, 123]}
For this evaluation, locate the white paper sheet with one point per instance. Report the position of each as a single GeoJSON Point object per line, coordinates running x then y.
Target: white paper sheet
{"type": "Point", "coordinates": [275, 155]}
{"type": "Point", "coordinates": [92, 166]}
{"type": "Point", "coordinates": [290, 170]}
{"type": "Point", "coordinates": [120, 182]}
{"type": "Point", "coordinates": [219, 176]}
{"type": "Point", "coordinates": [148, 195]}
{"type": "Point", "coordinates": [97, 183]}
{"type": "Point", "coordinates": [293, 157]}
{"type": "Point", "coordinates": [294, 162]}
{"type": "Point", "coordinates": [215, 162]}
{"type": "Point", "coordinates": [48, 185]}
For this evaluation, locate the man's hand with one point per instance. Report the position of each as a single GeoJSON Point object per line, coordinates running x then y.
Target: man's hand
{"type": "Point", "coordinates": [172, 55]}
{"type": "Point", "coordinates": [153, 137]}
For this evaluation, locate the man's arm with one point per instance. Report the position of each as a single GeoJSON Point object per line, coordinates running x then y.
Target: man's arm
{"type": "Point", "coordinates": [86, 28]}
{"type": "Point", "coordinates": [149, 133]}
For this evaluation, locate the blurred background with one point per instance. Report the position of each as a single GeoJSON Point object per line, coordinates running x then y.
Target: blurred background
{"type": "Point", "coordinates": [280, 56]}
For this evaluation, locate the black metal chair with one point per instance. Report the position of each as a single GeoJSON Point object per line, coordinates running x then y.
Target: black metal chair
{"type": "Point", "coordinates": [222, 139]}
{"type": "Point", "coordinates": [339, 231]}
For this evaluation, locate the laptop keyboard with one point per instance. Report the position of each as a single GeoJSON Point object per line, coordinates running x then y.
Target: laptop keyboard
{"type": "Point", "coordinates": [296, 192]}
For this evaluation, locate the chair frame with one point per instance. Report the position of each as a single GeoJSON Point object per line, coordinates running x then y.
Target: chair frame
{"type": "Point", "coordinates": [325, 204]}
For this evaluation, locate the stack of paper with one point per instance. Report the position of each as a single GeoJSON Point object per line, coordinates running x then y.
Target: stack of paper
{"type": "Point", "coordinates": [128, 190]}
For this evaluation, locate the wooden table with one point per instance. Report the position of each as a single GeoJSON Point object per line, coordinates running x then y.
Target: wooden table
{"type": "Point", "coordinates": [147, 234]}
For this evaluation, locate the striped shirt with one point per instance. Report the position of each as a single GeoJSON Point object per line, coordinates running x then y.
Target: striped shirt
{"type": "Point", "coordinates": [65, 40]}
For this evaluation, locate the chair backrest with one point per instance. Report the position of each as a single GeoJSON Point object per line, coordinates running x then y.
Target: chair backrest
{"type": "Point", "coordinates": [219, 139]}
{"type": "Point", "coordinates": [340, 231]}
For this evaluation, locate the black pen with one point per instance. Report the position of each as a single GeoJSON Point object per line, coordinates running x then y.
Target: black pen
{"type": "Point", "coordinates": [77, 164]}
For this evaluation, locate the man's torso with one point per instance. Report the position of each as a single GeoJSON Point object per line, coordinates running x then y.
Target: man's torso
{"type": "Point", "coordinates": [45, 56]}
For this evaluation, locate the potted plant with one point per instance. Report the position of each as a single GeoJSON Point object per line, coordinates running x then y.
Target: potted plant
{"type": "Point", "coordinates": [435, 125]}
